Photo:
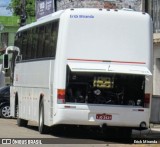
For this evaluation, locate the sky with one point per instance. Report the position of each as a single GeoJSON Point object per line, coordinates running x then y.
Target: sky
{"type": "Point", "coordinates": [3, 6]}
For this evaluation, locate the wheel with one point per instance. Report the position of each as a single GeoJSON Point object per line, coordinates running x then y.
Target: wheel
{"type": "Point", "coordinates": [16, 106]}
{"type": "Point", "coordinates": [16, 111]}
{"type": "Point", "coordinates": [5, 111]}
{"type": "Point", "coordinates": [41, 127]}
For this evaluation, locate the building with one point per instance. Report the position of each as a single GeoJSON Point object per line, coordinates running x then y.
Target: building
{"type": "Point", "coordinates": [156, 46]}
{"type": "Point", "coordinates": [153, 8]}
{"type": "Point", "coordinates": [45, 7]}
{"type": "Point", "coordinates": [114, 4]}
{"type": "Point", "coordinates": [156, 74]}
{"type": "Point", "coordinates": [8, 27]}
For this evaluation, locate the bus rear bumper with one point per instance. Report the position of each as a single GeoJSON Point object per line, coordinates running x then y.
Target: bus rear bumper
{"type": "Point", "coordinates": [100, 115]}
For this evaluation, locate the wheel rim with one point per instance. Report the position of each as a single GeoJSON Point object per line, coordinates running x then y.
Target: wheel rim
{"type": "Point", "coordinates": [6, 111]}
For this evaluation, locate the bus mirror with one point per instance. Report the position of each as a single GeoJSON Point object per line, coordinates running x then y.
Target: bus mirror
{"type": "Point", "coordinates": [6, 61]}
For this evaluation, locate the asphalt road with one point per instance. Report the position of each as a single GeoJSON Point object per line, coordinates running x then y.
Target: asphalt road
{"type": "Point", "coordinates": [71, 135]}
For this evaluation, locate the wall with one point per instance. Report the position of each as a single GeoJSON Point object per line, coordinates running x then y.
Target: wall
{"type": "Point", "coordinates": [156, 15]}
{"type": "Point", "coordinates": [119, 4]}
{"type": "Point", "coordinates": [155, 111]}
{"type": "Point", "coordinates": [155, 104]}
{"type": "Point", "coordinates": [156, 74]}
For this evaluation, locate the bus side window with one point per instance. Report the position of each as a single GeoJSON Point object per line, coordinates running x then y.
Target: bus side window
{"type": "Point", "coordinates": [18, 43]}
{"type": "Point", "coordinates": [40, 42]}
{"type": "Point", "coordinates": [54, 35]}
{"type": "Point", "coordinates": [47, 42]}
{"type": "Point", "coordinates": [34, 42]}
{"type": "Point", "coordinates": [29, 44]}
{"type": "Point", "coordinates": [24, 44]}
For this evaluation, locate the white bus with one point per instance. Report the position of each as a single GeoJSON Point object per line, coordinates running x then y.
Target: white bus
{"type": "Point", "coordinates": [87, 67]}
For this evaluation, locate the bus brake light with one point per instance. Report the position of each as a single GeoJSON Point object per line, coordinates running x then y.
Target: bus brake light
{"type": "Point", "coordinates": [61, 95]}
{"type": "Point", "coordinates": [147, 100]}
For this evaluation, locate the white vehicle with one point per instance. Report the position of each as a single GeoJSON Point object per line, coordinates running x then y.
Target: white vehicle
{"type": "Point", "coordinates": [85, 67]}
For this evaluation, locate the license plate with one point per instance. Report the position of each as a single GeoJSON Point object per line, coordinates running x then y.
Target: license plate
{"type": "Point", "coordinates": [104, 116]}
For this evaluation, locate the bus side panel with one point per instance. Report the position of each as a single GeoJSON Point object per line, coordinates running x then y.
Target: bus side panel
{"type": "Point", "coordinates": [29, 103]}
{"type": "Point", "coordinates": [33, 80]}
{"type": "Point", "coordinates": [12, 101]}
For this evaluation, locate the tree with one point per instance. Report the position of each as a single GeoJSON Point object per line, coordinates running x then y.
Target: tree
{"type": "Point", "coordinates": [17, 7]}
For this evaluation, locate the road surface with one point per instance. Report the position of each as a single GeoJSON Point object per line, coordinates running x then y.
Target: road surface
{"type": "Point", "coordinates": [72, 136]}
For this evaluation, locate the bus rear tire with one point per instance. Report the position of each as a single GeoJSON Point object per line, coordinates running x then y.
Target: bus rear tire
{"type": "Point", "coordinates": [43, 129]}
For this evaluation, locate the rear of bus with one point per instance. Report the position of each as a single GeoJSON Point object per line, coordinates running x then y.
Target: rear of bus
{"type": "Point", "coordinates": [104, 73]}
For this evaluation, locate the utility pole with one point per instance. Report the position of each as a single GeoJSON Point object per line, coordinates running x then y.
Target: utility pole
{"type": "Point", "coordinates": [23, 15]}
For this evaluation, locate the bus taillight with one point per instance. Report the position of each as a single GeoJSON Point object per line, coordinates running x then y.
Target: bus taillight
{"type": "Point", "coordinates": [61, 96]}
{"type": "Point", "coordinates": [147, 100]}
